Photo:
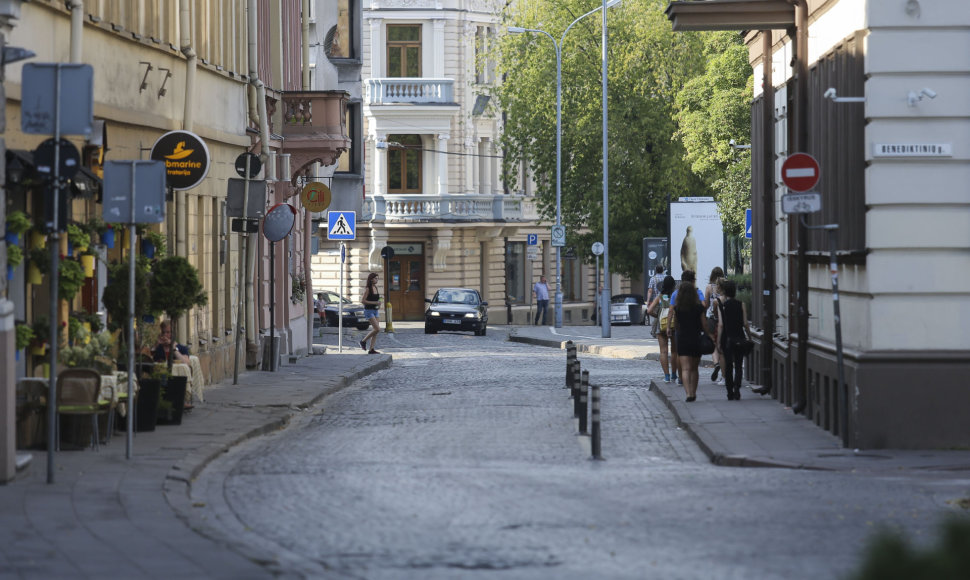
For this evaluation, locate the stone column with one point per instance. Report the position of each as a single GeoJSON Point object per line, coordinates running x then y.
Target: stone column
{"type": "Point", "coordinates": [377, 48]}
{"type": "Point", "coordinates": [486, 167]}
{"type": "Point", "coordinates": [443, 163]}
{"type": "Point", "coordinates": [471, 161]}
{"type": "Point", "coordinates": [380, 163]}
{"type": "Point", "coordinates": [438, 42]}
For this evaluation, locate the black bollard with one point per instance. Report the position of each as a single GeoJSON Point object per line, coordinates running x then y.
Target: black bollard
{"type": "Point", "coordinates": [574, 392]}
{"type": "Point", "coordinates": [570, 357]}
{"type": "Point", "coordinates": [595, 427]}
{"type": "Point", "coordinates": [583, 408]}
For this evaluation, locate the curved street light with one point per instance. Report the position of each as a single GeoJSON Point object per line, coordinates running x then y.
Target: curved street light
{"type": "Point", "coordinates": [558, 47]}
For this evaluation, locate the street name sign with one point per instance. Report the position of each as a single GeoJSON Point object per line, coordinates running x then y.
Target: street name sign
{"type": "Point", "coordinates": [810, 202]}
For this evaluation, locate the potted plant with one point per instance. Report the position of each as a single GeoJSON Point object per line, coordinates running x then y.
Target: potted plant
{"type": "Point", "coordinates": [88, 260]}
{"type": "Point", "coordinates": [89, 350]}
{"type": "Point", "coordinates": [25, 336]}
{"type": "Point", "coordinates": [152, 243]}
{"type": "Point", "coordinates": [14, 257]}
{"type": "Point", "coordinates": [171, 395]}
{"type": "Point", "coordinates": [175, 287]}
{"type": "Point", "coordinates": [146, 405]}
{"type": "Point", "coordinates": [38, 264]}
{"type": "Point", "coordinates": [70, 279]}
{"type": "Point", "coordinates": [17, 223]}
{"type": "Point", "coordinates": [78, 238]}
{"type": "Point", "coordinates": [42, 332]}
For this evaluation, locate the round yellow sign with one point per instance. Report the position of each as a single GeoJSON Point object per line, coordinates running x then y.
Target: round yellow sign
{"type": "Point", "coordinates": [315, 196]}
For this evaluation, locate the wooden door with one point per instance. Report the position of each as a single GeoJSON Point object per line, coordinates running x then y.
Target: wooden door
{"type": "Point", "coordinates": [405, 286]}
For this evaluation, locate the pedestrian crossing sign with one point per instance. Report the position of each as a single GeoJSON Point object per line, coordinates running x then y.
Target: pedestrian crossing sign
{"type": "Point", "coordinates": [341, 225]}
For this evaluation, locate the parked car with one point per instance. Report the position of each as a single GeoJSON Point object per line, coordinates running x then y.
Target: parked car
{"type": "Point", "coordinates": [326, 306]}
{"type": "Point", "coordinates": [628, 309]}
{"type": "Point", "coordinates": [456, 309]}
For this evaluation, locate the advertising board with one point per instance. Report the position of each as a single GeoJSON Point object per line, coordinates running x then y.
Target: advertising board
{"type": "Point", "coordinates": [696, 239]}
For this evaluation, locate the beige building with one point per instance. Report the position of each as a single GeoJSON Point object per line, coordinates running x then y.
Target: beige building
{"type": "Point", "coordinates": [432, 187]}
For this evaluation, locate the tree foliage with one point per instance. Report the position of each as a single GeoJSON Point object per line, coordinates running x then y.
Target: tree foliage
{"type": "Point", "coordinates": [648, 66]}
{"type": "Point", "coordinates": [713, 109]}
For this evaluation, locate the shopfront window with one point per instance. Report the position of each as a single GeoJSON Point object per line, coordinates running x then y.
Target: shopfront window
{"type": "Point", "coordinates": [516, 289]}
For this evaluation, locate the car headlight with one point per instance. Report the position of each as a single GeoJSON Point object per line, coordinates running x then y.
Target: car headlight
{"type": "Point", "coordinates": [435, 313]}
{"type": "Point", "coordinates": [471, 315]}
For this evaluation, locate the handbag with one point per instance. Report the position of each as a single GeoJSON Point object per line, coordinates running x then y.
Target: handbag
{"type": "Point", "coordinates": [705, 344]}
{"type": "Point", "coordinates": [742, 345]}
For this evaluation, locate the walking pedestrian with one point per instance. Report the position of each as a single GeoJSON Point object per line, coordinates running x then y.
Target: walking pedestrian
{"type": "Point", "coordinates": [711, 296]}
{"type": "Point", "coordinates": [661, 304]}
{"type": "Point", "coordinates": [541, 291]}
{"type": "Point", "coordinates": [371, 299]}
{"type": "Point", "coordinates": [690, 323]}
{"type": "Point", "coordinates": [687, 276]}
{"type": "Point", "coordinates": [734, 335]}
{"type": "Point", "coordinates": [653, 290]}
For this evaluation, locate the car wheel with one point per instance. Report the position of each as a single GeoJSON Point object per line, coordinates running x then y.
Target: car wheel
{"type": "Point", "coordinates": [482, 332]}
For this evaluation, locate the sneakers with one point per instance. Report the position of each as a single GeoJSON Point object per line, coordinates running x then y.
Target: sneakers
{"type": "Point", "coordinates": [372, 351]}
{"type": "Point", "coordinates": [721, 382]}
{"type": "Point", "coordinates": [363, 344]}
{"type": "Point", "coordinates": [667, 377]}
{"type": "Point", "coordinates": [717, 369]}
{"type": "Point", "coordinates": [679, 381]}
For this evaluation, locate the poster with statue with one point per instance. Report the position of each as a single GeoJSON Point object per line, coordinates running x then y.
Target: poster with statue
{"type": "Point", "coordinates": [696, 239]}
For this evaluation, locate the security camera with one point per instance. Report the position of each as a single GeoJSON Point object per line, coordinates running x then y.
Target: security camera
{"type": "Point", "coordinates": [829, 93]}
{"type": "Point", "coordinates": [928, 92]}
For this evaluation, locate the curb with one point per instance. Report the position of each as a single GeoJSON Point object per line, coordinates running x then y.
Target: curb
{"type": "Point", "coordinates": [189, 467]}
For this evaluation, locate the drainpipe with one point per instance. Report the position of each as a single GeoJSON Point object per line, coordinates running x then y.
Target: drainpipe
{"type": "Point", "coordinates": [77, 27]}
{"type": "Point", "coordinates": [307, 222]}
{"type": "Point", "coordinates": [191, 61]}
{"type": "Point", "coordinates": [768, 211]}
{"type": "Point", "coordinates": [263, 120]}
{"type": "Point", "coordinates": [800, 141]}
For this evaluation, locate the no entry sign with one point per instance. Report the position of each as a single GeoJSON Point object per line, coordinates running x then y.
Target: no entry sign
{"type": "Point", "coordinates": [800, 172]}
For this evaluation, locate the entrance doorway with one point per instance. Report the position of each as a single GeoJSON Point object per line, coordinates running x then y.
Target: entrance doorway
{"type": "Point", "coordinates": [405, 281]}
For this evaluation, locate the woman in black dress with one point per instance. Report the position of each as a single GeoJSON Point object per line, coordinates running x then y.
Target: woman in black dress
{"type": "Point", "coordinates": [732, 331]}
{"type": "Point", "coordinates": [690, 325]}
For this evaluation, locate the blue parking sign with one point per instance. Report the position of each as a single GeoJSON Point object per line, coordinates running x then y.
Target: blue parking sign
{"type": "Point", "coordinates": [532, 239]}
{"type": "Point", "coordinates": [747, 223]}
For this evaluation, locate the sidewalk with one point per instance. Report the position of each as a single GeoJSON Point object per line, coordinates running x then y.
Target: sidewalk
{"type": "Point", "coordinates": [107, 516]}
{"type": "Point", "coordinates": [757, 431]}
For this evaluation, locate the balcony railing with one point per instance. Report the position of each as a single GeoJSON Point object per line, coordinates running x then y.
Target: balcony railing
{"type": "Point", "coordinates": [410, 90]}
{"type": "Point", "coordinates": [314, 127]}
{"type": "Point", "coordinates": [415, 208]}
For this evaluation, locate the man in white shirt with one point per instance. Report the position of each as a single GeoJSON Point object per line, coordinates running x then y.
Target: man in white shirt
{"type": "Point", "coordinates": [541, 291]}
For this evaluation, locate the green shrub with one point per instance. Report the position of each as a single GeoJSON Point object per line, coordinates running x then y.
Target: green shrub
{"type": "Point", "coordinates": [18, 222]}
{"type": "Point", "coordinates": [889, 556]}
{"type": "Point", "coordinates": [14, 255]}
{"type": "Point", "coordinates": [70, 279]}
{"type": "Point", "coordinates": [25, 335]}
{"type": "Point", "coordinates": [78, 236]}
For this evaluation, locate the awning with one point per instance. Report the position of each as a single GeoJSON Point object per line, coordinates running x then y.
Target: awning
{"type": "Point", "coordinates": [731, 15]}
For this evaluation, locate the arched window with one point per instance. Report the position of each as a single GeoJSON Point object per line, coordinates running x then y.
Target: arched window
{"type": "Point", "coordinates": [404, 164]}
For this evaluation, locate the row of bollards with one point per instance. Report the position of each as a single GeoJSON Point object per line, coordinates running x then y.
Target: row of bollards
{"type": "Point", "coordinates": [580, 391]}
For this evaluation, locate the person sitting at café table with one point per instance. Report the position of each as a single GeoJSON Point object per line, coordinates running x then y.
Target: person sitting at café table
{"type": "Point", "coordinates": [160, 353]}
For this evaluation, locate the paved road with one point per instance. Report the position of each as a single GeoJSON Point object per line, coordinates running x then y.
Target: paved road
{"type": "Point", "coordinates": [462, 461]}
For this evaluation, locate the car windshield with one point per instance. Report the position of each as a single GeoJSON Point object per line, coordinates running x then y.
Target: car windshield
{"type": "Point", "coordinates": [456, 297]}
{"type": "Point", "coordinates": [333, 298]}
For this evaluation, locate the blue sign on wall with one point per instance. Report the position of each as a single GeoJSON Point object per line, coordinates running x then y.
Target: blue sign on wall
{"type": "Point", "coordinates": [747, 223]}
{"type": "Point", "coordinates": [532, 239]}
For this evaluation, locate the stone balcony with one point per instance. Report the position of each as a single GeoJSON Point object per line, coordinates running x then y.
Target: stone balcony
{"type": "Point", "coordinates": [314, 128]}
{"type": "Point", "coordinates": [405, 90]}
{"type": "Point", "coordinates": [421, 208]}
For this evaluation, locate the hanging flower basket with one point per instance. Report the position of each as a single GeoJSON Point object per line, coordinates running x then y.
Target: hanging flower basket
{"type": "Point", "coordinates": [33, 274]}
{"type": "Point", "coordinates": [87, 262]}
{"type": "Point", "coordinates": [37, 239]}
{"type": "Point", "coordinates": [148, 249]}
{"type": "Point", "coordinates": [108, 238]}
{"type": "Point", "coordinates": [12, 238]}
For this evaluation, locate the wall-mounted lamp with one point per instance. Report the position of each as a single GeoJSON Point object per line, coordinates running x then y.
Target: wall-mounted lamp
{"type": "Point", "coordinates": [736, 146]}
{"type": "Point", "coordinates": [162, 90]}
{"type": "Point", "coordinates": [144, 80]}
{"type": "Point", "coordinates": [913, 97]}
{"type": "Point", "coordinates": [831, 94]}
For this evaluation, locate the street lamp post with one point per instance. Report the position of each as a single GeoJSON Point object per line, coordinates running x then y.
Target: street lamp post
{"type": "Point", "coordinates": [558, 47]}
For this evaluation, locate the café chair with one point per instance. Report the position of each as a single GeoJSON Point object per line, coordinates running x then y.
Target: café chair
{"type": "Point", "coordinates": [78, 393]}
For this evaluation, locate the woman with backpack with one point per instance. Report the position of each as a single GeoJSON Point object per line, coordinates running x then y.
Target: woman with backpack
{"type": "Point", "coordinates": [661, 308]}
{"type": "Point", "coordinates": [711, 298]}
{"type": "Point", "coordinates": [734, 336]}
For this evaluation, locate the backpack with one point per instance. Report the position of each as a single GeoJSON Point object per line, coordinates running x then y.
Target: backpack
{"type": "Point", "coordinates": [664, 308]}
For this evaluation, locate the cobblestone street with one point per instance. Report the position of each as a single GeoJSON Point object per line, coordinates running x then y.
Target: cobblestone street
{"type": "Point", "coordinates": [462, 460]}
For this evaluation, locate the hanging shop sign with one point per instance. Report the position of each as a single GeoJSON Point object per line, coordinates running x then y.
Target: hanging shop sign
{"type": "Point", "coordinates": [186, 158]}
{"type": "Point", "coordinates": [315, 196]}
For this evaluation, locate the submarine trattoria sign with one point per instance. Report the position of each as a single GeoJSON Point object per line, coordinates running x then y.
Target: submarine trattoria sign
{"type": "Point", "coordinates": [186, 158]}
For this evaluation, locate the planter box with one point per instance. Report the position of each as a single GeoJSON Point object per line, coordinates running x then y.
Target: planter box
{"type": "Point", "coordinates": [146, 405]}
{"type": "Point", "coordinates": [173, 393]}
